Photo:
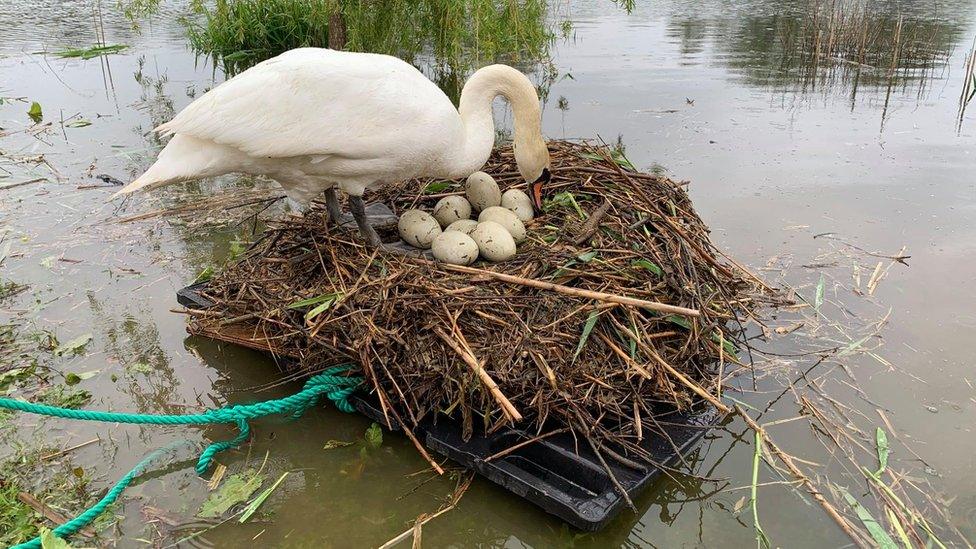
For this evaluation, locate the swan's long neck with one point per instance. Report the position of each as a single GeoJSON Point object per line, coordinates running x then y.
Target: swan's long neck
{"type": "Point", "coordinates": [476, 115]}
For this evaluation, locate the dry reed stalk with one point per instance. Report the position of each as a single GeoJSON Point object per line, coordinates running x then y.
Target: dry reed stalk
{"type": "Point", "coordinates": [599, 296]}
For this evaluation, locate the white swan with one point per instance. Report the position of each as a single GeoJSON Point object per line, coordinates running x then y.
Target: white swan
{"type": "Point", "coordinates": [312, 119]}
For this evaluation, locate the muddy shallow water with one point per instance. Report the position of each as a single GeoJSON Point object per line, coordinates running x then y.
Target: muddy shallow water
{"type": "Point", "coordinates": [693, 88]}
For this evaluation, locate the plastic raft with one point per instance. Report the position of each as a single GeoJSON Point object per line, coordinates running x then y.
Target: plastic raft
{"type": "Point", "coordinates": [558, 475]}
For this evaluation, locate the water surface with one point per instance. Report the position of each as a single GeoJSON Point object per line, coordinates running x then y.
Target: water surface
{"type": "Point", "coordinates": [776, 154]}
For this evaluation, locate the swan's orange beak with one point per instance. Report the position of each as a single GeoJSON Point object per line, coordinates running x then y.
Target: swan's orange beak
{"type": "Point", "coordinates": [536, 189]}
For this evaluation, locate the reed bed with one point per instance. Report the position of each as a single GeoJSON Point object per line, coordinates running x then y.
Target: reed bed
{"type": "Point", "coordinates": [617, 308]}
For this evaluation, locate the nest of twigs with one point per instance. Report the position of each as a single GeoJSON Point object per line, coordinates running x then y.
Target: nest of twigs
{"type": "Point", "coordinates": [568, 330]}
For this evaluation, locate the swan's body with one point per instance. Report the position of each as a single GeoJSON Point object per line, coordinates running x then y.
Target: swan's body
{"type": "Point", "coordinates": [312, 119]}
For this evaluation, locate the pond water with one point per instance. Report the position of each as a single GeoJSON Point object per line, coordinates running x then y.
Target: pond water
{"type": "Point", "coordinates": [777, 154]}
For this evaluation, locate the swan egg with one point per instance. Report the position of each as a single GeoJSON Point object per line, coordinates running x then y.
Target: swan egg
{"type": "Point", "coordinates": [482, 191]}
{"type": "Point", "coordinates": [494, 242]}
{"type": "Point", "coordinates": [450, 209]}
{"type": "Point", "coordinates": [520, 203]}
{"type": "Point", "coordinates": [455, 247]}
{"type": "Point", "coordinates": [418, 228]}
{"type": "Point", "coordinates": [462, 225]}
{"type": "Point", "coordinates": [507, 219]}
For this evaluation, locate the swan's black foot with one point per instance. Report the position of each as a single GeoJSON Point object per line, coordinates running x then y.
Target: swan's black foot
{"type": "Point", "coordinates": [332, 206]}
{"type": "Point", "coordinates": [404, 249]}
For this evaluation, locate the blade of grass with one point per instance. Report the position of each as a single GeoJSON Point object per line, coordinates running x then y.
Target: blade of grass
{"type": "Point", "coordinates": [761, 539]}
{"type": "Point", "coordinates": [883, 449]}
{"type": "Point", "coordinates": [902, 535]}
{"type": "Point", "coordinates": [819, 298]}
{"type": "Point", "coordinates": [649, 265]}
{"type": "Point", "coordinates": [878, 533]}
{"type": "Point", "coordinates": [587, 328]}
{"type": "Point", "coordinates": [253, 506]}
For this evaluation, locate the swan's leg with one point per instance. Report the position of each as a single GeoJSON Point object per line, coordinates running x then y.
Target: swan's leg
{"type": "Point", "coordinates": [332, 205]}
{"type": "Point", "coordinates": [358, 209]}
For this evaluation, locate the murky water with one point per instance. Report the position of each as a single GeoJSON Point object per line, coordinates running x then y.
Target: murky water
{"type": "Point", "coordinates": [702, 89]}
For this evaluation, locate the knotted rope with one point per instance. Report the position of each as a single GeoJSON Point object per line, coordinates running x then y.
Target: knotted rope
{"type": "Point", "coordinates": [329, 383]}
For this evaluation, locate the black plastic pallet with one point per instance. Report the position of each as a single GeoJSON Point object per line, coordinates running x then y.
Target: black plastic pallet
{"type": "Point", "coordinates": [555, 473]}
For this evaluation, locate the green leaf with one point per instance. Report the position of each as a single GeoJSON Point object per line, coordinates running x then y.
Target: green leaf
{"type": "Point", "coordinates": [587, 328]}
{"type": "Point", "coordinates": [437, 186]}
{"type": "Point", "coordinates": [374, 436]}
{"type": "Point", "coordinates": [333, 444]}
{"type": "Point", "coordinates": [679, 320]}
{"type": "Point", "coordinates": [51, 541]}
{"type": "Point", "coordinates": [80, 123]}
{"type": "Point", "coordinates": [301, 304]}
{"type": "Point", "coordinates": [588, 256]}
{"type": "Point", "coordinates": [75, 346]}
{"type": "Point", "coordinates": [853, 346]}
{"type": "Point", "coordinates": [565, 199]}
{"type": "Point", "coordinates": [94, 51]}
{"type": "Point", "coordinates": [35, 113]}
{"type": "Point", "coordinates": [319, 310]}
{"type": "Point", "coordinates": [617, 156]}
{"type": "Point", "coordinates": [204, 276]}
{"type": "Point", "coordinates": [883, 450]}
{"type": "Point", "coordinates": [236, 489]}
{"type": "Point", "coordinates": [881, 537]}
{"type": "Point", "coordinates": [649, 265]}
{"type": "Point", "coordinates": [253, 506]}
{"type": "Point", "coordinates": [819, 298]}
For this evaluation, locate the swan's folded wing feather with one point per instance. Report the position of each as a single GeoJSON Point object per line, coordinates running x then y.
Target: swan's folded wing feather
{"type": "Point", "coordinates": [316, 103]}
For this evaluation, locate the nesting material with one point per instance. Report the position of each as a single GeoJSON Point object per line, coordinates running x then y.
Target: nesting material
{"type": "Point", "coordinates": [616, 309]}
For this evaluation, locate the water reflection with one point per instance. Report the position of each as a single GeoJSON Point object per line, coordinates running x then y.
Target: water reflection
{"type": "Point", "coordinates": [824, 48]}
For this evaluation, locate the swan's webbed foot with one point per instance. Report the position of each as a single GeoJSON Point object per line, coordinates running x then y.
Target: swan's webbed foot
{"type": "Point", "coordinates": [367, 230]}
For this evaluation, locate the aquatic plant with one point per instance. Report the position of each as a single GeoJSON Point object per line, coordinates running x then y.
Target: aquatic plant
{"type": "Point", "coordinates": [242, 32]}
{"type": "Point", "coordinates": [92, 52]}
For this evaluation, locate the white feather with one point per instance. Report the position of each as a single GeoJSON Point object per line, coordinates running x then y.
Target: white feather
{"type": "Point", "coordinates": [312, 118]}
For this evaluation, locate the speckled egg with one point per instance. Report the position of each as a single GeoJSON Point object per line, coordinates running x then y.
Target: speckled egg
{"type": "Point", "coordinates": [455, 247]}
{"type": "Point", "coordinates": [520, 203]}
{"type": "Point", "coordinates": [462, 225]}
{"type": "Point", "coordinates": [494, 241]}
{"type": "Point", "coordinates": [482, 191]}
{"type": "Point", "coordinates": [450, 209]}
{"type": "Point", "coordinates": [418, 228]}
{"type": "Point", "coordinates": [507, 219]}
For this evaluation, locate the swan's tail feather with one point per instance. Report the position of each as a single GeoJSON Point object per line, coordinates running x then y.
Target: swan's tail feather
{"type": "Point", "coordinates": [184, 158]}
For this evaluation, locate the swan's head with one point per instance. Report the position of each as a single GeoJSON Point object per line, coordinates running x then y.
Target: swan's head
{"type": "Point", "coordinates": [532, 159]}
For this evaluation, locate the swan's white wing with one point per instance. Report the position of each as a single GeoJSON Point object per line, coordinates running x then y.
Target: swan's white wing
{"type": "Point", "coordinates": [318, 102]}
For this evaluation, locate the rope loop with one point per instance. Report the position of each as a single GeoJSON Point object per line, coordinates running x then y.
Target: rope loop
{"type": "Point", "coordinates": [335, 387]}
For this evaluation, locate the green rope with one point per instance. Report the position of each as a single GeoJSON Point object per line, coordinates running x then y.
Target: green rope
{"type": "Point", "coordinates": [336, 388]}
